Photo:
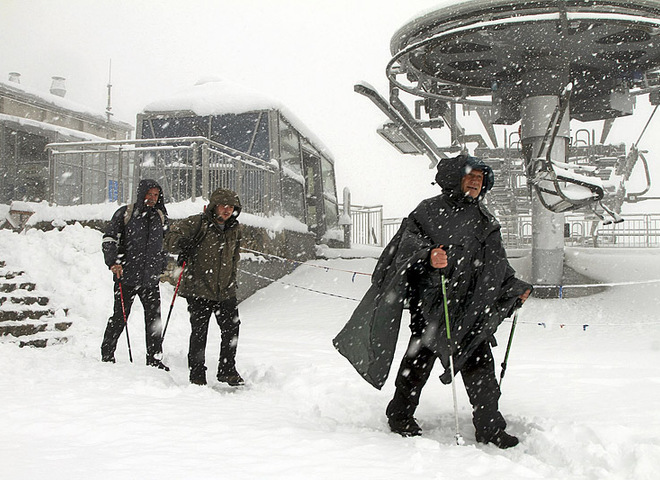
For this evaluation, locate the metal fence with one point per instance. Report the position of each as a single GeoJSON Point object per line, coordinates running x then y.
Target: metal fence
{"type": "Point", "coordinates": [190, 167]}
{"type": "Point", "coordinates": [636, 231]}
{"type": "Point", "coordinates": [89, 176]}
{"type": "Point", "coordinates": [367, 225]}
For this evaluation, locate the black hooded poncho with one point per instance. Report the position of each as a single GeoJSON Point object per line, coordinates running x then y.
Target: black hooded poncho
{"type": "Point", "coordinates": [481, 285]}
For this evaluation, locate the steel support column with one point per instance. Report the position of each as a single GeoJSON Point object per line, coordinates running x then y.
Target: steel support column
{"type": "Point", "coordinates": [547, 227]}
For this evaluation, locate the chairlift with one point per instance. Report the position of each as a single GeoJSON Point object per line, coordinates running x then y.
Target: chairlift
{"type": "Point", "coordinates": [631, 159]}
{"type": "Point", "coordinates": [559, 187]}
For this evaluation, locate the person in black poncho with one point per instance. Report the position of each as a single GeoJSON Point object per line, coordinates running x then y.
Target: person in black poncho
{"type": "Point", "coordinates": [455, 235]}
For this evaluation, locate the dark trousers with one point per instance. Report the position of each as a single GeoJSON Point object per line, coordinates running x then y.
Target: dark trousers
{"type": "Point", "coordinates": [150, 299]}
{"type": "Point", "coordinates": [478, 376]}
{"type": "Point", "coordinates": [226, 315]}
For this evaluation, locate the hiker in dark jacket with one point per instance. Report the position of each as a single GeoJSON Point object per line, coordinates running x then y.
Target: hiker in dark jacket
{"type": "Point", "coordinates": [210, 243]}
{"type": "Point", "coordinates": [455, 235]}
{"type": "Point", "coordinates": [133, 251]}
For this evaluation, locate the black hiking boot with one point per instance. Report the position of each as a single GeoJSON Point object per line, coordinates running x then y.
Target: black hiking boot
{"type": "Point", "coordinates": [108, 358]}
{"type": "Point", "coordinates": [499, 438]}
{"type": "Point", "coordinates": [233, 378]}
{"type": "Point", "coordinates": [404, 426]}
{"type": "Point", "coordinates": [198, 376]}
{"type": "Point", "coordinates": [158, 364]}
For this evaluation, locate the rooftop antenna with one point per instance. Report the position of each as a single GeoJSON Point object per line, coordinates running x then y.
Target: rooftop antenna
{"type": "Point", "coordinates": [108, 109]}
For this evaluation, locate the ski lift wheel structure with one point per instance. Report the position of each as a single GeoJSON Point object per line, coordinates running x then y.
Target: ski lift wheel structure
{"type": "Point", "coordinates": [523, 54]}
{"type": "Point", "coordinates": [473, 49]}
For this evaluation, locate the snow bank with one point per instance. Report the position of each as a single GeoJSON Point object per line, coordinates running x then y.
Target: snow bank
{"type": "Point", "coordinates": [584, 402]}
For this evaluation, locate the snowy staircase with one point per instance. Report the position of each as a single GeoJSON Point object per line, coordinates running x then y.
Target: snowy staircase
{"type": "Point", "coordinates": [25, 317]}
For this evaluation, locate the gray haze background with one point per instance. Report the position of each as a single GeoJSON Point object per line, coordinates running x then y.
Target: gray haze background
{"type": "Point", "coordinates": [308, 54]}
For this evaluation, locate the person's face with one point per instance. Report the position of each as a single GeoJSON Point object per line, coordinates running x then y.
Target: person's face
{"type": "Point", "coordinates": [224, 212]}
{"type": "Point", "coordinates": [472, 182]}
{"type": "Point", "coordinates": [151, 197]}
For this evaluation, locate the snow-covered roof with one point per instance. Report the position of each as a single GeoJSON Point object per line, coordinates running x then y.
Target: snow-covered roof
{"type": "Point", "coordinates": [213, 96]}
{"type": "Point", "coordinates": [65, 132]}
{"type": "Point", "coordinates": [217, 96]}
{"type": "Point", "coordinates": [46, 98]}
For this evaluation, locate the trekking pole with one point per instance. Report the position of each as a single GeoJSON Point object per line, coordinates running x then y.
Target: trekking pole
{"type": "Point", "coordinates": [457, 436]}
{"type": "Point", "coordinates": [173, 298]}
{"type": "Point", "coordinates": [508, 346]}
{"type": "Point", "coordinates": [123, 310]}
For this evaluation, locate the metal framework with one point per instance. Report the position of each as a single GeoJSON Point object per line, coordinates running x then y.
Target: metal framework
{"type": "Point", "coordinates": [638, 230]}
{"type": "Point", "coordinates": [187, 167]}
{"type": "Point", "coordinates": [537, 62]}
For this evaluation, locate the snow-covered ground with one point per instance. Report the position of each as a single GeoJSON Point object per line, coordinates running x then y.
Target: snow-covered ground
{"type": "Point", "coordinates": [582, 390]}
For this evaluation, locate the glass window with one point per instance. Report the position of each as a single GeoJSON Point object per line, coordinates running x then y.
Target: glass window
{"type": "Point", "coordinates": [235, 130]}
{"type": "Point", "coordinates": [293, 198]}
{"type": "Point", "coordinates": [245, 132]}
{"type": "Point", "coordinates": [331, 213]}
{"type": "Point", "coordinates": [25, 170]}
{"type": "Point", "coordinates": [289, 147]}
{"type": "Point", "coordinates": [261, 144]}
{"type": "Point", "coordinates": [175, 127]}
{"type": "Point", "coordinates": [328, 174]}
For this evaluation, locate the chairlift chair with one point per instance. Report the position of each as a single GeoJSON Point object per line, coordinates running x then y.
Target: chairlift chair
{"type": "Point", "coordinates": [559, 187]}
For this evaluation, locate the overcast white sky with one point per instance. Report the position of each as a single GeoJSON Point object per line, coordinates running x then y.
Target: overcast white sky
{"type": "Point", "coordinates": [306, 53]}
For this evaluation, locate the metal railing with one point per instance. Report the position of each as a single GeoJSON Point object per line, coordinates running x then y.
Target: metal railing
{"type": "Point", "coordinates": [636, 231]}
{"type": "Point", "coordinates": [368, 225]}
{"type": "Point", "coordinates": [188, 167]}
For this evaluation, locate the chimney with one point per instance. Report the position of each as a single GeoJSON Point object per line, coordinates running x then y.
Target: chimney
{"type": "Point", "coordinates": [15, 77]}
{"type": "Point", "coordinates": [57, 87]}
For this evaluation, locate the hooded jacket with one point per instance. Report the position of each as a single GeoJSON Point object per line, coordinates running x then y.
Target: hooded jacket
{"type": "Point", "coordinates": [136, 241]}
{"type": "Point", "coordinates": [212, 250]}
{"type": "Point", "coordinates": [481, 286]}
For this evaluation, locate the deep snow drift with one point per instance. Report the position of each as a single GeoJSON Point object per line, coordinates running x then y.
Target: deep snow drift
{"type": "Point", "coordinates": [582, 390]}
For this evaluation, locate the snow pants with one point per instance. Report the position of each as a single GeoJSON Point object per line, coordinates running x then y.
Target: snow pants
{"type": "Point", "coordinates": [478, 375]}
{"type": "Point", "coordinates": [226, 315]}
{"type": "Point", "coordinates": [150, 299]}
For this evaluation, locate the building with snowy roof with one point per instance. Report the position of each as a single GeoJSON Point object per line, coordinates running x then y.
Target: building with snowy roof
{"type": "Point", "coordinates": [249, 143]}
{"type": "Point", "coordinates": [31, 119]}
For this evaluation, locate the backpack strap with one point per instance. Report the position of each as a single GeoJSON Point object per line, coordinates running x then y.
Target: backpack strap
{"type": "Point", "coordinates": [129, 213]}
{"type": "Point", "coordinates": [201, 231]}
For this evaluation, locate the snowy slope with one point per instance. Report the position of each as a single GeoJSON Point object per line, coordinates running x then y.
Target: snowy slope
{"type": "Point", "coordinates": [585, 401]}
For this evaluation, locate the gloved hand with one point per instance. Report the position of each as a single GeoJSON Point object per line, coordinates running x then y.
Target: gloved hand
{"type": "Point", "coordinates": [185, 244]}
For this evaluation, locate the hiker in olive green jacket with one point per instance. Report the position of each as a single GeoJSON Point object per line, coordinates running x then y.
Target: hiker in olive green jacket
{"type": "Point", "coordinates": [209, 243]}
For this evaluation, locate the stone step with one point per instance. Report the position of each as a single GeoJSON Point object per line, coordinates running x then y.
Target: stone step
{"type": "Point", "coordinates": [32, 314]}
{"type": "Point", "coordinates": [12, 287]}
{"type": "Point", "coordinates": [24, 329]}
{"type": "Point", "coordinates": [42, 342]}
{"type": "Point", "coordinates": [11, 275]}
{"type": "Point", "coordinates": [27, 300]}
{"type": "Point", "coordinates": [23, 321]}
